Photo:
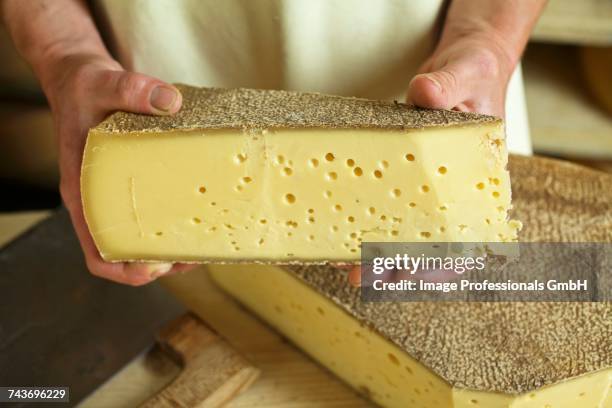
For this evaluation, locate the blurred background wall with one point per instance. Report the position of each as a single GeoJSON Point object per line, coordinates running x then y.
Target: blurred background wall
{"type": "Point", "coordinates": [567, 68]}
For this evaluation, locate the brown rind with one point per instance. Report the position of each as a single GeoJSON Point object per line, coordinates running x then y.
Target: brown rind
{"type": "Point", "coordinates": [217, 108]}
{"type": "Point", "coordinates": [508, 348]}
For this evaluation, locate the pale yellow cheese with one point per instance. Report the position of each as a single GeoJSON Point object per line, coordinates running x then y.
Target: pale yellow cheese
{"type": "Point", "coordinates": [370, 363]}
{"type": "Point", "coordinates": [283, 195]}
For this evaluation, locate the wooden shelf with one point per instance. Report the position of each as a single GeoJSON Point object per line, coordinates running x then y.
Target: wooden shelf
{"type": "Point", "coordinates": [587, 22]}
{"type": "Point", "coordinates": [564, 118]}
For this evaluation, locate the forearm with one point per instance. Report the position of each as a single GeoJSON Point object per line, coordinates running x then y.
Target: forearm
{"type": "Point", "coordinates": [505, 24]}
{"type": "Point", "coordinates": [48, 32]}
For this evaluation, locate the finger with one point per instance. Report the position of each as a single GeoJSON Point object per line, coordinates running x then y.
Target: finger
{"type": "Point", "coordinates": [181, 268]}
{"type": "Point", "coordinates": [441, 89]}
{"type": "Point", "coordinates": [354, 276]}
{"type": "Point", "coordinates": [134, 92]}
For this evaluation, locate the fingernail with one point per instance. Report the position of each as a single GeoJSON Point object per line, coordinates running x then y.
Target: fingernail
{"type": "Point", "coordinates": [163, 98]}
{"type": "Point", "coordinates": [434, 81]}
{"type": "Point", "coordinates": [160, 269]}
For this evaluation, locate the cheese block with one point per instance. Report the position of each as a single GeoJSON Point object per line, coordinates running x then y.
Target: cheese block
{"type": "Point", "coordinates": [435, 355]}
{"type": "Point", "coordinates": [273, 176]}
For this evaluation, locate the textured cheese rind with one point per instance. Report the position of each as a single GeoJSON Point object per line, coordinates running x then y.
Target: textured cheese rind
{"type": "Point", "coordinates": [218, 108]}
{"type": "Point", "coordinates": [496, 354]}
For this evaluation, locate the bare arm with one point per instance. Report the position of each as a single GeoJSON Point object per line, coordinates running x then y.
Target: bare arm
{"type": "Point", "coordinates": [480, 46]}
{"type": "Point", "coordinates": [83, 84]}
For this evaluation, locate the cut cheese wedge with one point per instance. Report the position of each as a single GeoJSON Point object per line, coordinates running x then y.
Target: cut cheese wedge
{"type": "Point", "coordinates": [435, 355]}
{"type": "Point", "coordinates": [280, 177]}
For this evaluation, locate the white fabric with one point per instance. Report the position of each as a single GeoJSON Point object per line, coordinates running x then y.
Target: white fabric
{"type": "Point", "coordinates": [361, 48]}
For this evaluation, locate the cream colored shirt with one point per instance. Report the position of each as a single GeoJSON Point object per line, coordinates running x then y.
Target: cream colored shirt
{"type": "Point", "coordinates": [363, 48]}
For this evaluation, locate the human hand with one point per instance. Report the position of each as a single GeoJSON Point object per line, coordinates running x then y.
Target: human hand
{"type": "Point", "coordinates": [82, 91]}
{"type": "Point", "coordinates": [470, 74]}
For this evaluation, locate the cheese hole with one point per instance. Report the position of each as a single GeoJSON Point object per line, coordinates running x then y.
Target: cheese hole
{"type": "Point", "coordinates": [395, 233]}
{"type": "Point", "coordinates": [337, 207]}
{"type": "Point", "coordinates": [287, 171]}
{"type": "Point", "coordinates": [212, 203]}
{"type": "Point", "coordinates": [412, 204]}
{"type": "Point", "coordinates": [383, 164]}
{"type": "Point", "coordinates": [327, 194]}
{"type": "Point", "coordinates": [159, 233]}
{"type": "Point", "coordinates": [311, 220]}
{"type": "Point", "coordinates": [496, 181]}
{"type": "Point", "coordinates": [350, 218]}
{"type": "Point", "coordinates": [383, 217]}
{"type": "Point", "coordinates": [246, 179]}
{"type": "Point", "coordinates": [396, 192]}
{"type": "Point", "coordinates": [426, 234]}
{"type": "Point", "coordinates": [495, 194]}
{"type": "Point", "coordinates": [409, 157]}
{"type": "Point", "coordinates": [280, 159]}
{"type": "Point", "coordinates": [474, 402]}
{"type": "Point", "coordinates": [261, 241]}
{"type": "Point", "coordinates": [289, 234]}
{"type": "Point", "coordinates": [424, 188]}
{"type": "Point", "coordinates": [196, 220]}
{"type": "Point", "coordinates": [240, 158]}
{"type": "Point", "coordinates": [202, 189]}
{"type": "Point", "coordinates": [330, 157]}
{"type": "Point", "coordinates": [290, 198]}
{"type": "Point", "coordinates": [353, 235]}
{"type": "Point", "coordinates": [378, 174]}
{"type": "Point", "coordinates": [488, 221]}
{"type": "Point", "coordinates": [371, 210]}
{"type": "Point", "coordinates": [334, 228]}
{"type": "Point", "coordinates": [443, 208]}
{"type": "Point", "coordinates": [350, 162]}
{"type": "Point", "coordinates": [353, 250]}
{"type": "Point", "coordinates": [311, 211]}
{"type": "Point", "coordinates": [332, 175]}
{"type": "Point", "coordinates": [480, 186]}
{"type": "Point", "coordinates": [442, 229]}
{"type": "Point", "coordinates": [357, 171]}
{"type": "Point", "coordinates": [314, 163]}
{"type": "Point", "coordinates": [320, 310]}
{"type": "Point", "coordinates": [263, 221]}
{"type": "Point", "coordinates": [311, 237]}
{"type": "Point", "coordinates": [238, 188]}
{"type": "Point", "coordinates": [442, 170]}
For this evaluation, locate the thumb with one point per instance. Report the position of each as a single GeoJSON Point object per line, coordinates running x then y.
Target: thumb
{"type": "Point", "coordinates": [444, 88]}
{"type": "Point", "coordinates": [138, 93]}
